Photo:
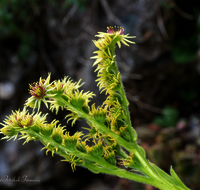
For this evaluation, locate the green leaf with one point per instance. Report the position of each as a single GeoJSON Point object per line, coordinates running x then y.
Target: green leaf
{"type": "Point", "coordinates": [177, 188]}
{"type": "Point", "coordinates": [176, 178]}
{"type": "Point", "coordinates": [185, 50]}
{"type": "Point", "coordinates": [94, 171]}
{"type": "Point", "coordinates": [135, 134]}
{"type": "Point", "coordinates": [164, 175]}
{"type": "Point", "coordinates": [168, 118]}
{"type": "Point", "coordinates": [142, 151]}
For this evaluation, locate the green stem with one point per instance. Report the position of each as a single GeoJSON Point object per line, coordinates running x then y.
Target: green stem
{"type": "Point", "coordinates": [99, 126]}
{"type": "Point", "coordinates": [125, 106]}
{"type": "Point", "coordinates": [122, 154]}
{"type": "Point", "coordinates": [125, 102]}
{"type": "Point", "coordinates": [99, 160]}
{"type": "Point", "coordinates": [132, 147]}
{"type": "Point", "coordinates": [147, 168]}
{"type": "Point", "coordinates": [128, 175]}
{"type": "Point", "coordinates": [105, 166]}
{"type": "Point", "coordinates": [102, 166]}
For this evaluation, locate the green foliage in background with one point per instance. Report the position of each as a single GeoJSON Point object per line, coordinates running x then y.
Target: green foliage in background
{"type": "Point", "coordinates": [188, 94]}
{"type": "Point", "coordinates": [185, 50]}
{"type": "Point", "coordinates": [169, 117]}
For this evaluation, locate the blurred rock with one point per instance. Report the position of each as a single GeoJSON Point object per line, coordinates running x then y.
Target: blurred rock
{"type": "Point", "coordinates": [7, 90]}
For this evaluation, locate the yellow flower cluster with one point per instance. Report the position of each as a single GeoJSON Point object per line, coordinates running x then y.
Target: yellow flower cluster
{"type": "Point", "coordinates": [109, 78]}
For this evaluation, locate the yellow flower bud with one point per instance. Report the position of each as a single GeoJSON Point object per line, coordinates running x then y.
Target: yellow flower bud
{"type": "Point", "coordinates": [9, 131]}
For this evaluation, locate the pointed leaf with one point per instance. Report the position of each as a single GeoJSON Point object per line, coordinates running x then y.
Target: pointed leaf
{"type": "Point", "coordinates": [142, 151]}
{"type": "Point", "coordinates": [124, 43]}
{"type": "Point", "coordinates": [135, 134]}
{"type": "Point", "coordinates": [177, 188]}
{"type": "Point", "coordinates": [177, 179]}
{"type": "Point", "coordinates": [119, 44]}
{"type": "Point", "coordinates": [164, 175]}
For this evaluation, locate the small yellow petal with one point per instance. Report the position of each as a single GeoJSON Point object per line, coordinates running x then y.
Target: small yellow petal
{"type": "Point", "coordinates": [119, 44]}
{"type": "Point", "coordinates": [124, 42]}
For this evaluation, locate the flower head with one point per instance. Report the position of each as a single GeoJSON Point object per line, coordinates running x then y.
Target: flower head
{"type": "Point", "coordinates": [110, 157]}
{"type": "Point", "coordinates": [71, 141]}
{"type": "Point", "coordinates": [114, 35]}
{"type": "Point", "coordinates": [96, 150]}
{"type": "Point", "coordinates": [99, 113]}
{"type": "Point", "coordinates": [115, 29]}
{"type": "Point", "coordinates": [20, 120]}
{"type": "Point", "coordinates": [74, 160]}
{"type": "Point", "coordinates": [39, 91]}
{"type": "Point", "coordinates": [129, 161]}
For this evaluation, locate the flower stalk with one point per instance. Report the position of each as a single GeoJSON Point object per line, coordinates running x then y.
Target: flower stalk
{"type": "Point", "coordinates": [110, 126]}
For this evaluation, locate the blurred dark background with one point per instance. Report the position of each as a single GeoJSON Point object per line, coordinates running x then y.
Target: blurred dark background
{"type": "Point", "coordinates": [161, 74]}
